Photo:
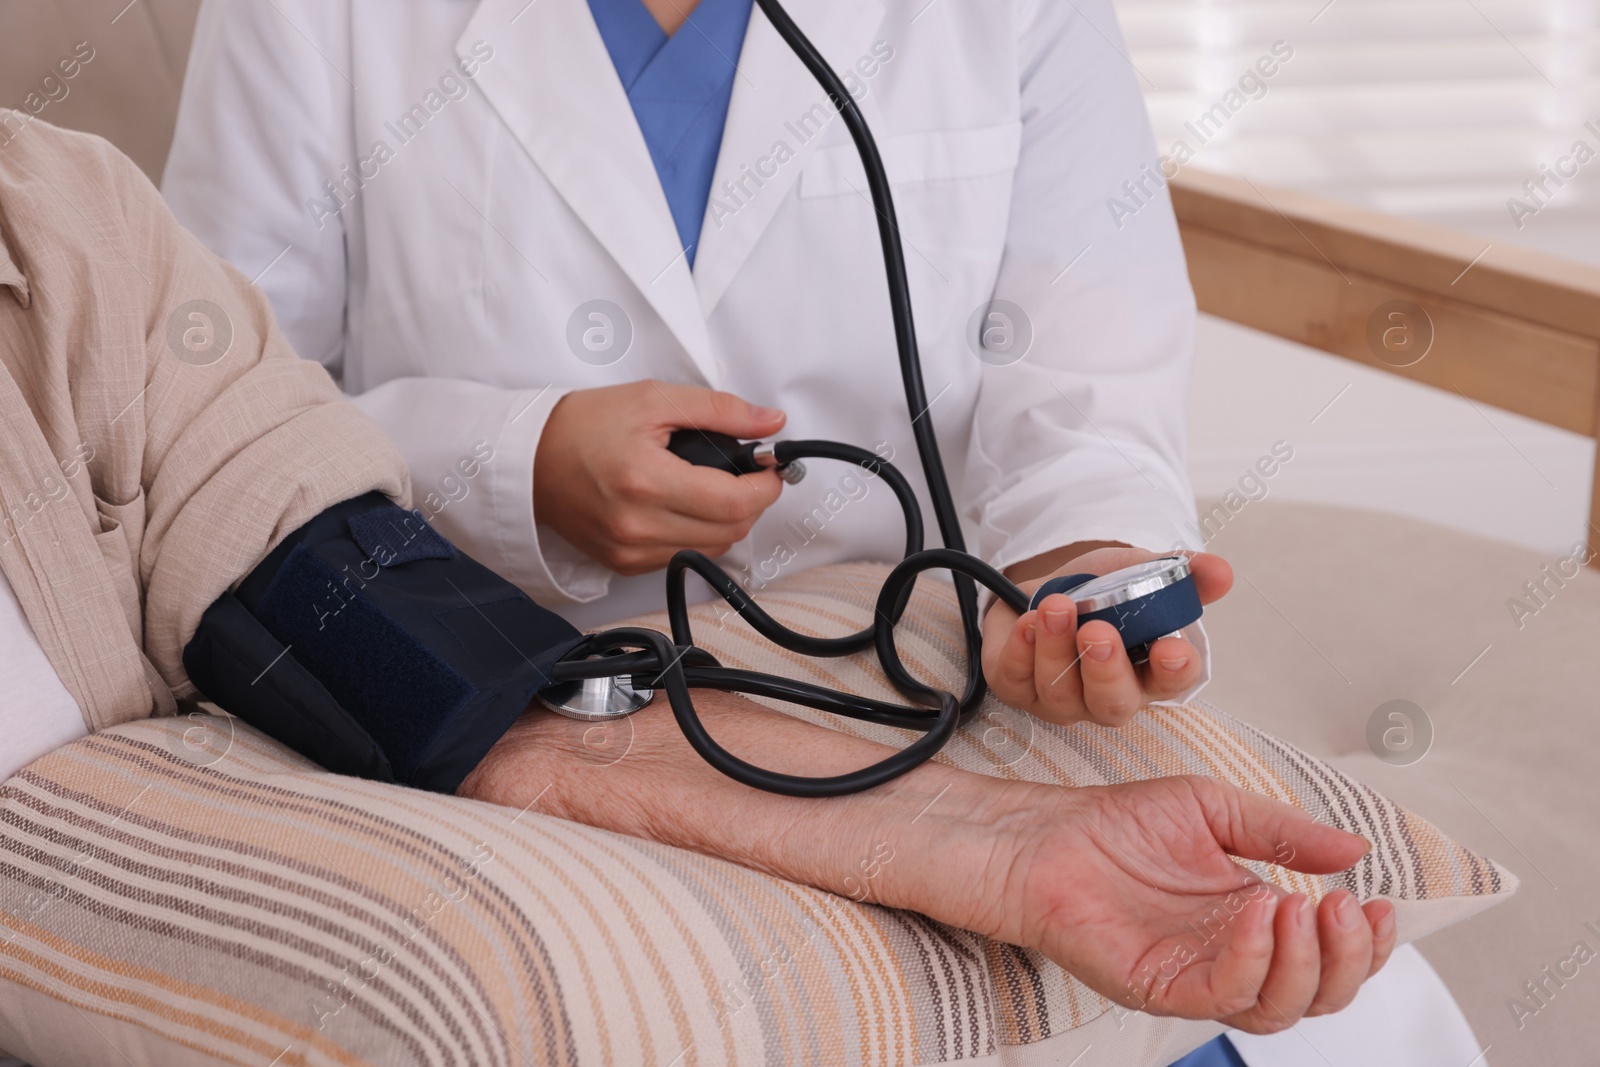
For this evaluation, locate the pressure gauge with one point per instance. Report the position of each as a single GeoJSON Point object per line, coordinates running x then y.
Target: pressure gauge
{"type": "Point", "coordinates": [1144, 602]}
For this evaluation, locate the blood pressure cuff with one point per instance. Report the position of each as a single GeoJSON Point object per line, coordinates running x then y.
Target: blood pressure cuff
{"type": "Point", "coordinates": [369, 643]}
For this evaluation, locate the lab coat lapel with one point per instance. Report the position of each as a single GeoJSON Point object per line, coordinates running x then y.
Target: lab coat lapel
{"type": "Point", "coordinates": [772, 97]}
{"type": "Point", "coordinates": [553, 84]}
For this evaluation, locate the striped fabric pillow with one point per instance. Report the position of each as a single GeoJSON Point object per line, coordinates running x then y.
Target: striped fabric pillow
{"type": "Point", "coordinates": [185, 891]}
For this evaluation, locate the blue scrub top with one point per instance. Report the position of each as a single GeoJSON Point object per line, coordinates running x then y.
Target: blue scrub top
{"type": "Point", "coordinates": [679, 88]}
{"type": "Point", "coordinates": [1217, 1053]}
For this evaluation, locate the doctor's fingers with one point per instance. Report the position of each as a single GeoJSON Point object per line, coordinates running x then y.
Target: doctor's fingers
{"type": "Point", "coordinates": [641, 539]}
{"type": "Point", "coordinates": [1213, 576]}
{"type": "Point", "coordinates": [632, 562]}
{"type": "Point", "coordinates": [1174, 667]}
{"type": "Point", "coordinates": [716, 496]}
{"type": "Point", "coordinates": [1008, 650]}
{"type": "Point", "coordinates": [1057, 682]}
{"type": "Point", "coordinates": [1111, 689]}
{"type": "Point", "coordinates": [697, 408]}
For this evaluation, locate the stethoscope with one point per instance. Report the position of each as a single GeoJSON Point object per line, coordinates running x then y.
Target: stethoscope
{"type": "Point", "coordinates": [614, 673]}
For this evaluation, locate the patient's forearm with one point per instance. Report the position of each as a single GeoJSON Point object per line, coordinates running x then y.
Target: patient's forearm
{"type": "Point", "coordinates": [662, 790]}
{"type": "Point", "coordinates": [1107, 882]}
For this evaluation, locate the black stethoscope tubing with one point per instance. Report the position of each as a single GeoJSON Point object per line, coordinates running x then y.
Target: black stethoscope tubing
{"type": "Point", "coordinates": [676, 664]}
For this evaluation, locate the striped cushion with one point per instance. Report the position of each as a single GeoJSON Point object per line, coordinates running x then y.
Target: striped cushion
{"type": "Point", "coordinates": [185, 891]}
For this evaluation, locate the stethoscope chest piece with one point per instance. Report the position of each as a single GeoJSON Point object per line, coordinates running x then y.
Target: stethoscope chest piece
{"type": "Point", "coordinates": [1144, 602]}
{"type": "Point", "coordinates": [596, 699]}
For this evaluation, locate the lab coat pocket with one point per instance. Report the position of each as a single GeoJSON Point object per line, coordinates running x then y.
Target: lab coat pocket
{"type": "Point", "coordinates": [916, 158]}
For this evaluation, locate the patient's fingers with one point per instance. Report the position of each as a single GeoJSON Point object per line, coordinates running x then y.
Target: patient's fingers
{"type": "Point", "coordinates": [1233, 980]}
{"type": "Point", "coordinates": [1110, 684]}
{"type": "Point", "coordinates": [1292, 979]}
{"type": "Point", "coordinates": [1254, 827]}
{"type": "Point", "coordinates": [1380, 913]}
{"type": "Point", "coordinates": [1346, 936]}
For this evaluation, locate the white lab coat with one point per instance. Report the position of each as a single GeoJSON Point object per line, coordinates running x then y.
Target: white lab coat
{"type": "Point", "coordinates": [441, 282]}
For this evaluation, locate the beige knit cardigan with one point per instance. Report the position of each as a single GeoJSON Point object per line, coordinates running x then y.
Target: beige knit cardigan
{"type": "Point", "coordinates": [157, 434]}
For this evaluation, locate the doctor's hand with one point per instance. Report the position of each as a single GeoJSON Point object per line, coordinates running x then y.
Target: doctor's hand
{"type": "Point", "coordinates": [604, 480]}
{"type": "Point", "coordinates": [1046, 664]}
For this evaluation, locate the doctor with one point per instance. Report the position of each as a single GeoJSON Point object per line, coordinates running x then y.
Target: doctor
{"type": "Point", "coordinates": [532, 239]}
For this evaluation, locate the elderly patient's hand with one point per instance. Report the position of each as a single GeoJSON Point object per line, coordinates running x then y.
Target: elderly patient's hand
{"type": "Point", "coordinates": [1131, 888]}
{"type": "Point", "coordinates": [1045, 663]}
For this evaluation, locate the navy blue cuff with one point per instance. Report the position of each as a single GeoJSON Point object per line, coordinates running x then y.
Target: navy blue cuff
{"type": "Point", "coordinates": [369, 643]}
